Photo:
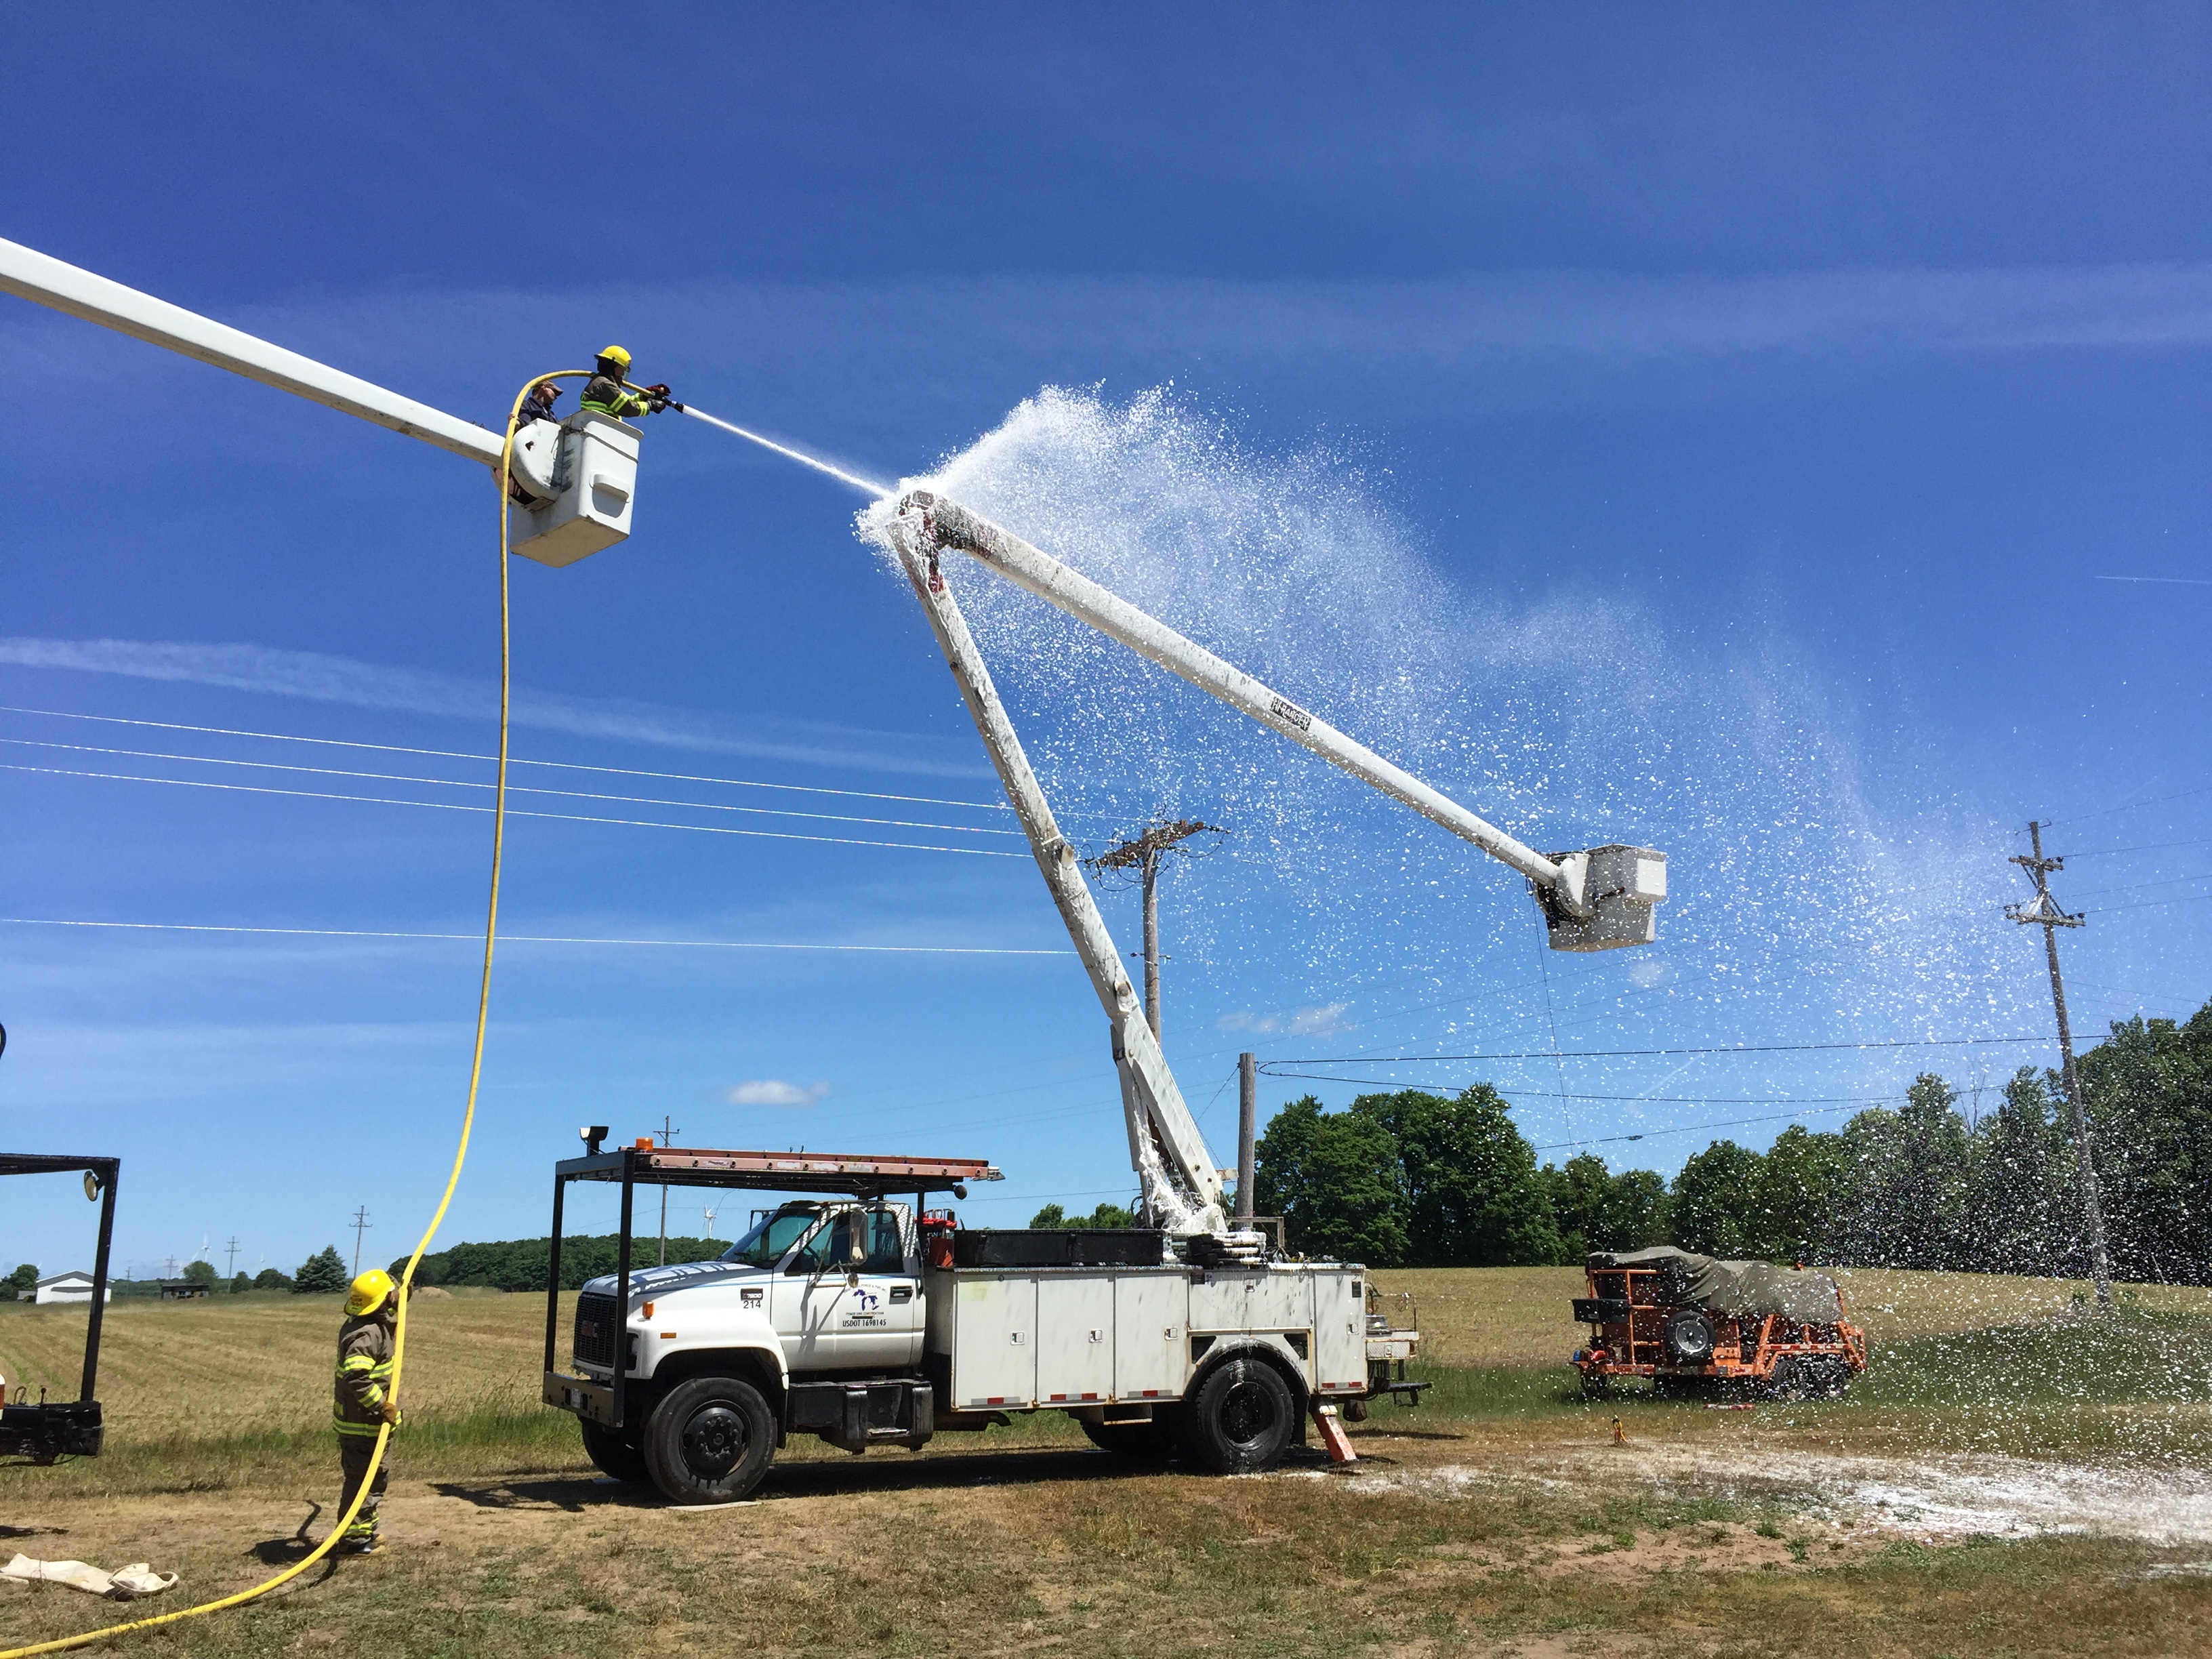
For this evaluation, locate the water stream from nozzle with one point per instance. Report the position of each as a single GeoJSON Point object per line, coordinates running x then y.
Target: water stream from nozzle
{"type": "Point", "coordinates": [875, 489]}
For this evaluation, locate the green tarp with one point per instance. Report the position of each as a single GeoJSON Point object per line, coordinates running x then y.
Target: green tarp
{"type": "Point", "coordinates": [1734, 1289]}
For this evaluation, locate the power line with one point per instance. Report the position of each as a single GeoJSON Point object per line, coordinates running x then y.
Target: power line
{"type": "Point", "coordinates": [2148, 847]}
{"type": "Point", "coordinates": [512, 760]}
{"type": "Point", "coordinates": [512, 811]}
{"type": "Point", "coordinates": [539, 939]}
{"type": "Point", "coordinates": [2129, 806]}
{"type": "Point", "coordinates": [1272, 1066]}
{"type": "Point", "coordinates": [513, 788]}
{"type": "Point", "coordinates": [1693, 1129]}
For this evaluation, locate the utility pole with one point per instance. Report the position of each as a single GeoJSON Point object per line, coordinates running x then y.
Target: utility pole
{"type": "Point", "coordinates": [1144, 855]}
{"type": "Point", "coordinates": [2042, 911]}
{"type": "Point", "coordinates": [1247, 1125]}
{"type": "Point", "coordinates": [230, 1255]}
{"type": "Point", "coordinates": [668, 1133]}
{"type": "Point", "coordinates": [361, 1223]}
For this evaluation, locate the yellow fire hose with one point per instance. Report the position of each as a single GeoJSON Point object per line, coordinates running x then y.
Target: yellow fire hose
{"type": "Point", "coordinates": [468, 1118]}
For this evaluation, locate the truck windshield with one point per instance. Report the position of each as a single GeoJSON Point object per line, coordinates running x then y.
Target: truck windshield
{"type": "Point", "coordinates": [768, 1242]}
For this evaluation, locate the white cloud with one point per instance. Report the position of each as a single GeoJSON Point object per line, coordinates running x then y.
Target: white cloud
{"type": "Point", "coordinates": [774, 1091]}
{"type": "Point", "coordinates": [326, 678]}
{"type": "Point", "coordinates": [1304, 1022]}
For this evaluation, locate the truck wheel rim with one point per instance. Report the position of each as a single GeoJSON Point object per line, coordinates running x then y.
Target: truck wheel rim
{"type": "Point", "coordinates": [714, 1442]}
{"type": "Point", "coordinates": [1247, 1413]}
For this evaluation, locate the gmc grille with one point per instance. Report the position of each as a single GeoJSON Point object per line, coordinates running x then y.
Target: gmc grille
{"type": "Point", "coordinates": [596, 1323]}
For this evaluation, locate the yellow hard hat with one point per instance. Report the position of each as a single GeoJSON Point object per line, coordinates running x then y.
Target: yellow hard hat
{"type": "Point", "coordinates": [617, 357]}
{"type": "Point", "coordinates": [368, 1292]}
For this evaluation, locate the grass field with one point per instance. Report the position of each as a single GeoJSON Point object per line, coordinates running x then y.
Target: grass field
{"type": "Point", "coordinates": [1912, 1518]}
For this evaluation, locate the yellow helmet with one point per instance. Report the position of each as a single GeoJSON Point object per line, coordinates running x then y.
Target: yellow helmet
{"type": "Point", "coordinates": [368, 1292]}
{"type": "Point", "coordinates": [617, 357]}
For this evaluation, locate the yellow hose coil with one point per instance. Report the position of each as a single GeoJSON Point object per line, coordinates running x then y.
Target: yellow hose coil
{"type": "Point", "coordinates": [468, 1116]}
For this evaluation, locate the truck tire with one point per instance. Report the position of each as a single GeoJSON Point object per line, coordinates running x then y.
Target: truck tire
{"type": "Point", "coordinates": [614, 1454]}
{"type": "Point", "coordinates": [1243, 1416]}
{"type": "Point", "coordinates": [710, 1441]}
{"type": "Point", "coordinates": [1155, 1441]}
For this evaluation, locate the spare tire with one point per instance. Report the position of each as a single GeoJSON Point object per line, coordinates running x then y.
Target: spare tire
{"type": "Point", "coordinates": [1689, 1338]}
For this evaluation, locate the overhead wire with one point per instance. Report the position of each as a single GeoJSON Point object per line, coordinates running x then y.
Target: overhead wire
{"type": "Point", "coordinates": [514, 789]}
{"type": "Point", "coordinates": [517, 760]}
{"type": "Point", "coordinates": [538, 939]}
{"type": "Point", "coordinates": [462, 807]}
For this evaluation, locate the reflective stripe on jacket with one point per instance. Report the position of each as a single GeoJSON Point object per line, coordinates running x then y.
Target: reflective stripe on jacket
{"type": "Point", "coordinates": [611, 397]}
{"type": "Point", "coordinates": [364, 1375]}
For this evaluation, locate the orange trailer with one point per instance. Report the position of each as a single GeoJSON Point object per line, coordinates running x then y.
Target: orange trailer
{"type": "Point", "coordinates": [1693, 1324]}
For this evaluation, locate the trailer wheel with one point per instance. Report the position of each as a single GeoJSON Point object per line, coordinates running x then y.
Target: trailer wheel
{"type": "Point", "coordinates": [710, 1441]}
{"type": "Point", "coordinates": [1243, 1415]}
{"type": "Point", "coordinates": [1597, 1385]}
{"type": "Point", "coordinates": [1140, 1443]}
{"type": "Point", "coordinates": [1791, 1380]}
{"type": "Point", "coordinates": [614, 1454]}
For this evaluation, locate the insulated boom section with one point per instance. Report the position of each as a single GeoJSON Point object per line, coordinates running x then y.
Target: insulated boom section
{"type": "Point", "coordinates": [949, 524]}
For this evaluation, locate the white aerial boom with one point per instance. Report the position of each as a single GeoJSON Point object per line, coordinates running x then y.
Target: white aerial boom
{"type": "Point", "coordinates": [574, 481]}
{"type": "Point", "coordinates": [1597, 900]}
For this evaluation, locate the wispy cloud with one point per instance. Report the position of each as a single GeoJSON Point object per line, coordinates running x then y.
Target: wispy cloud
{"type": "Point", "coordinates": [871, 363]}
{"type": "Point", "coordinates": [323, 677]}
{"type": "Point", "coordinates": [833, 353]}
{"type": "Point", "coordinates": [774, 1091]}
{"type": "Point", "coordinates": [1304, 1022]}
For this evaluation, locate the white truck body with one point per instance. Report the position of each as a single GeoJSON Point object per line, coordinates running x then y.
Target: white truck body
{"type": "Point", "coordinates": [987, 1339]}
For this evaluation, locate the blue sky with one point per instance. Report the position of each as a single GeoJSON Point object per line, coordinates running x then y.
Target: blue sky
{"type": "Point", "coordinates": [1780, 438]}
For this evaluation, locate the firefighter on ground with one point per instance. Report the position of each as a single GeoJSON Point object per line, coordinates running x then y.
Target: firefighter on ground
{"type": "Point", "coordinates": [609, 392]}
{"type": "Point", "coordinates": [363, 1399]}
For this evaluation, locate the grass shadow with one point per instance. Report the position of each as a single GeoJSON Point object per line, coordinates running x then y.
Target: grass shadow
{"type": "Point", "coordinates": [283, 1551]}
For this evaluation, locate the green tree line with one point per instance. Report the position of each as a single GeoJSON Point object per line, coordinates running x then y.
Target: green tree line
{"type": "Point", "coordinates": [1413, 1179]}
{"type": "Point", "coordinates": [520, 1264]}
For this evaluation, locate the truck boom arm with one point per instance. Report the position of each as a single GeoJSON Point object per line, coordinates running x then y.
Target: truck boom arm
{"type": "Point", "coordinates": [1181, 1188]}
{"type": "Point", "coordinates": [946, 524]}
{"type": "Point", "coordinates": [46, 280]}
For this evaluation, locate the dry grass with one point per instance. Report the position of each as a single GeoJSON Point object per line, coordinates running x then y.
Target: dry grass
{"type": "Point", "coordinates": [235, 1366]}
{"type": "Point", "coordinates": [1476, 1525]}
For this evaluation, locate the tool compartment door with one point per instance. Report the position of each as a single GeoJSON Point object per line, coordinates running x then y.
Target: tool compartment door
{"type": "Point", "coordinates": [1075, 1338]}
{"type": "Point", "coordinates": [993, 1341]}
{"type": "Point", "coordinates": [1340, 1344]}
{"type": "Point", "coordinates": [1152, 1348]}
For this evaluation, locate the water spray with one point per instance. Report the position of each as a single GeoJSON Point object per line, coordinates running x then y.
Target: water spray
{"type": "Point", "coordinates": [874, 490]}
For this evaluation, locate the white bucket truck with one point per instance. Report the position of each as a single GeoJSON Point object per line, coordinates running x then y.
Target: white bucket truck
{"type": "Point", "coordinates": [873, 1321]}
{"type": "Point", "coordinates": [869, 1322]}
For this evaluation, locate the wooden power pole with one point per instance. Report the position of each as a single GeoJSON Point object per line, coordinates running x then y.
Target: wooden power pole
{"type": "Point", "coordinates": [1144, 855]}
{"type": "Point", "coordinates": [668, 1133]}
{"type": "Point", "coordinates": [2042, 911]}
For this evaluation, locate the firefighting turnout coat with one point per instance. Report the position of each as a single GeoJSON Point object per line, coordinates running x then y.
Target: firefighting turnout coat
{"type": "Point", "coordinates": [364, 1376]}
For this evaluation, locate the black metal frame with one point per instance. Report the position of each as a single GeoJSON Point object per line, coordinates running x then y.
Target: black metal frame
{"type": "Point", "coordinates": [662, 1166]}
{"type": "Point", "coordinates": [45, 1431]}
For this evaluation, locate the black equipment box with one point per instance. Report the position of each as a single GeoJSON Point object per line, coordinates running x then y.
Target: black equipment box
{"type": "Point", "coordinates": [1601, 1310]}
{"type": "Point", "coordinates": [1055, 1247]}
{"type": "Point", "coordinates": [43, 1432]}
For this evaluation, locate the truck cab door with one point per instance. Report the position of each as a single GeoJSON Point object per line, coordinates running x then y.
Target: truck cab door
{"type": "Point", "coordinates": [846, 1313]}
